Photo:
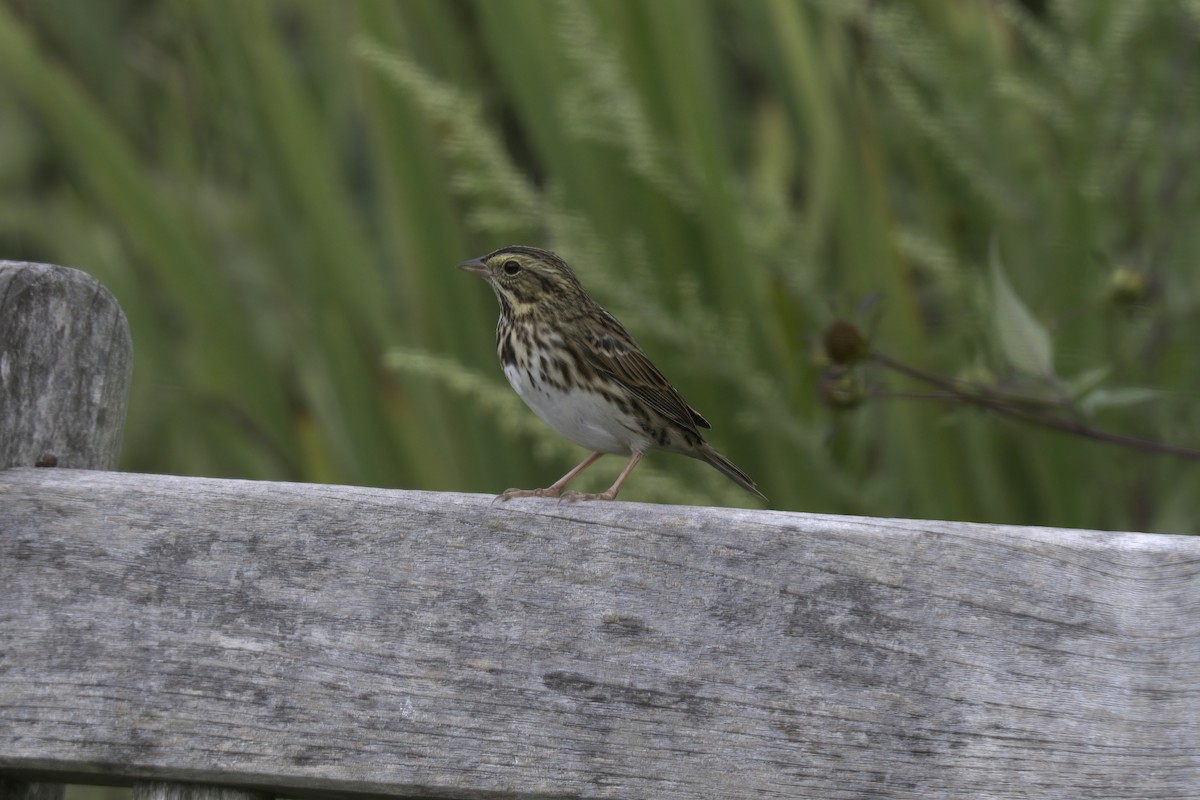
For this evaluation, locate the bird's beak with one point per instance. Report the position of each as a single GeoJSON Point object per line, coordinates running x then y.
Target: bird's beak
{"type": "Point", "coordinates": [477, 266]}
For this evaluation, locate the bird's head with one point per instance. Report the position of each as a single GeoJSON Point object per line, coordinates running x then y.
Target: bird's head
{"type": "Point", "coordinates": [526, 278]}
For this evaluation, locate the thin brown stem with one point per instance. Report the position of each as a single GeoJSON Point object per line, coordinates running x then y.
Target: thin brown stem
{"type": "Point", "coordinates": [1004, 405]}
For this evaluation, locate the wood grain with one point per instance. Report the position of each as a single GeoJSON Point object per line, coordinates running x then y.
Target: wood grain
{"type": "Point", "coordinates": [338, 639]}
{"type": "Point", "coordinates": [65, 361]}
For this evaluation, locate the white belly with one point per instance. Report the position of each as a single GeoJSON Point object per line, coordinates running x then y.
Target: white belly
{"type": "Point", "coordinates": [582, 417]}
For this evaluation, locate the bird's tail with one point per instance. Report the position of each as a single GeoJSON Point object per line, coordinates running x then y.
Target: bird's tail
{"type": "Point", "coordinates": [731, 470]}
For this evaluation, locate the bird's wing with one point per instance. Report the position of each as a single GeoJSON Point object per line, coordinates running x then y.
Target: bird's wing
{"type": "Point", "coordinates": [614, 353]}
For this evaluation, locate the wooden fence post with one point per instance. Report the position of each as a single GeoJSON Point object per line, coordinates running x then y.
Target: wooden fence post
{"type": "Point", "coordinates": [65, 361]}
{"type": "Point", "coordinates": [65, 365]}
{"type": "Point", "coordinates": [160, 790]}
{"type": "Point", "coordinates": [17, 789]}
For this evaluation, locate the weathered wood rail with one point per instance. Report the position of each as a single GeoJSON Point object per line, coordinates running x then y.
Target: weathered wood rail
{"type": "Point", "coordinates": [183, 634]}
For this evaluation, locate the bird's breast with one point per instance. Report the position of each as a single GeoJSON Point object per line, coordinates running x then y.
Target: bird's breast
{"type": "Point", "coordinates": [585, 416]}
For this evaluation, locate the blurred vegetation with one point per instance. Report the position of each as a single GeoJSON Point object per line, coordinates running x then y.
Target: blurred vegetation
{"type": "Point", "coordinates": [277, 193]}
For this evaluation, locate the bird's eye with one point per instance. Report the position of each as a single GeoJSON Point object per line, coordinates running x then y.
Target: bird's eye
{"type": "Point", "coordinates": [511, 267]}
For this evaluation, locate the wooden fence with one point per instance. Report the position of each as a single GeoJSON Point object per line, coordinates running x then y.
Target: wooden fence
{"type": "Point", "coordinates": [184, 634]}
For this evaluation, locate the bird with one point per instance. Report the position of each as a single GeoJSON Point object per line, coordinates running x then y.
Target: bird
{"type": "Point", "coordinates": [582, 373]}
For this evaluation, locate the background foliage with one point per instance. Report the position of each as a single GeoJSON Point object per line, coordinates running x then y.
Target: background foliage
{"type": "Point", "coordinates": [277, 192]}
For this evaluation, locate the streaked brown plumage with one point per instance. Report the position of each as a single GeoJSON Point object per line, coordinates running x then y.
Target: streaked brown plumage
{"type": "Point", "coordinates": [582, 373]}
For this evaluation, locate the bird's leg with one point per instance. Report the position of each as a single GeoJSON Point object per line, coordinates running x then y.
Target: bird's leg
{"type": "Point", "coordinates": [556, 488]}
{"type": "Point", "coordinates": [611, 494]}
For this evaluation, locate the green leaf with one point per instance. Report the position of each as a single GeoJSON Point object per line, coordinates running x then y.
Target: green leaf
{"type": "Point", "coordinates": [1086, 381]}
{"type": "Point", "coordinates": [1118, 398]}
{"type": "Point", "coordinates": [1023, 341]}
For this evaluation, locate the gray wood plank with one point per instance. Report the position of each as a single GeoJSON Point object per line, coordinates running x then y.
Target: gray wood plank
{"type": "Point", "coordinates": [65, 361]}
{"type": "Point", "coordinates": [326, 638]}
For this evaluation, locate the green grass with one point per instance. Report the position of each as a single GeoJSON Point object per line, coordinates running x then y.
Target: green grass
{"type": "Point", "coordinates": [277, 194]}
